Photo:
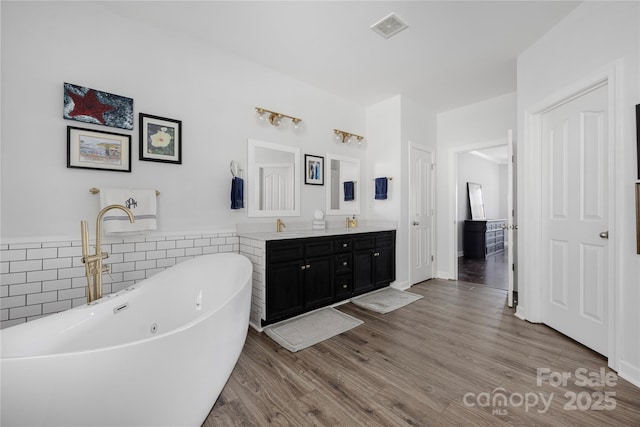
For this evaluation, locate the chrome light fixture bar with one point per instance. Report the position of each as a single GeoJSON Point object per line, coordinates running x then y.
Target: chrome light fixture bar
{"type": "Point", "coordinates": [344, 136]}
{"type": "Point", "coordinates": [275, 118]}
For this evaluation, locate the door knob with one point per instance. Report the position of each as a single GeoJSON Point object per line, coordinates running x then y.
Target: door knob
{"type": "Point", "coordinates": [416, 223]}
{"type": "Point", "coordinates": [604, 234]}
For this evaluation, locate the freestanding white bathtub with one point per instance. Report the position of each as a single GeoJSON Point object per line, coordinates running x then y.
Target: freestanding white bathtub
{"type": "Point", "coordinates": [157, 353]}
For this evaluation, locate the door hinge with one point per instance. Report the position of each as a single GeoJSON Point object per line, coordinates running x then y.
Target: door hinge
{"type": "Point", "coordinates": [513, 267]}
{"type": "Point", "coordinates": [432, 258]}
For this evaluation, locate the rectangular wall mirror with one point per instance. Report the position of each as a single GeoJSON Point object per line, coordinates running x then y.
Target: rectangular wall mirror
{"type": "Point", "coordinates": [273, 179]}
{"type": "Point", "coordinates": [476, 201]}
{"type": "Point", "coordinates": [341, 169]}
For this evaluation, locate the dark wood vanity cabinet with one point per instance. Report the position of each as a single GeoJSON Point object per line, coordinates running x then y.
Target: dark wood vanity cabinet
{"type": "Point", "coordinates": [301, 271]}
{"type": "Point", "coordinates": [483, 238]}
{"type": "Point", "coordinates": [308, 273]}
{"type": "Point", "coordinates": [374, 261]}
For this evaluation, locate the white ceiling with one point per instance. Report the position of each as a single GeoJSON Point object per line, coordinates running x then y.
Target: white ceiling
{"type": "Point", "coordinates": [453, 53]}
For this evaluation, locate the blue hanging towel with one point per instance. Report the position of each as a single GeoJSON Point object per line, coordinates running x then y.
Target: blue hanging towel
{"type": "Point", "coordinates": [237, 193]}
{"type": "Point", "coordinates": [349, 191]}
{"type": "Point", "coordinates": [381, 188]}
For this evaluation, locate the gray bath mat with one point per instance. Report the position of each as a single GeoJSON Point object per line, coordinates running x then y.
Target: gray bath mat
{"type": "Point", "coordinates": [309, 329]}
{"type": "Point", "coordinates": [385, 300]}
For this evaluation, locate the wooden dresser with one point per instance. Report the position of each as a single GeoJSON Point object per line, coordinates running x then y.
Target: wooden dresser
{"type": "Point", "coordinates": [483, 238]}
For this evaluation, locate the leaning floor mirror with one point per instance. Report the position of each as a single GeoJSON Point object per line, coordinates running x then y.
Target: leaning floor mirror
{"type": "Point", "coordinates": [476, 201]}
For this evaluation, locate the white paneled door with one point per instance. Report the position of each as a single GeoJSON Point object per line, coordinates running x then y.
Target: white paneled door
{"type": "Point", "coordinates": [575, 219]}
{"type": "Point", "coordinates": [421, 214]}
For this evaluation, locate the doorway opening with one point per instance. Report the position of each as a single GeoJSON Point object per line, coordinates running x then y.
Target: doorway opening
{"type": "Point", "coordinates": [482, 241]}
{"type": "Point", "coordinates": [492, 239]}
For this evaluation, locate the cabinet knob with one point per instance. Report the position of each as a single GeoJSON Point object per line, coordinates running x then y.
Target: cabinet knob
{"type": "Point", "coordinates": [308, 266]}
{"type": "Point", "coordinates": [344, 286]}
{"type": "Point", "coordinates": [345, 263]}
{"type": "Point", "coordinates": [344, 245]}
{"type": "Point", "coordinates": [302, 267]}
{"type": "Point", "coordinates": [376, 254]}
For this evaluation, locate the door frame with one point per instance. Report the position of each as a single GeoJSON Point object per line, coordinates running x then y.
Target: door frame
{"type": "Point", "coordinates": [432, 189]}
{"type": "Point", "coordinates": [453, 194]}
{"type": "Point", "coordinates": [530, 217]}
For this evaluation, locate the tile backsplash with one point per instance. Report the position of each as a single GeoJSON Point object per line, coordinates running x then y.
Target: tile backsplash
{"type": "Point", "coordinates": [42, 278]}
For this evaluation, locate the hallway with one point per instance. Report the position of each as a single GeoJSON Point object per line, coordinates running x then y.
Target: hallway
{"type": "Point", "coordinates": [491, 271]}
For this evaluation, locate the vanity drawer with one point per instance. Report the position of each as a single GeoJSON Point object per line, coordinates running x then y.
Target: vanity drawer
{"type": "Point", "coordinates": [343, 263]}
{"type": "Point", "coordinates": [318, 247]}
{"type": "Point", "coordinates": [343, 286]}
{"type": "Point", "coordinates": [385, 239]}
{"type": "Point", "coordinates": [342, 244]}
{"type": "Point", "coordinates": [279, 251]}
{"type": "Point", "coordinates": [360, 243]}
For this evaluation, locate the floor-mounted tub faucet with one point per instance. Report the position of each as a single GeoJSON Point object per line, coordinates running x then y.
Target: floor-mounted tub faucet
{"type": "Point", "coordinates": [93, 263]}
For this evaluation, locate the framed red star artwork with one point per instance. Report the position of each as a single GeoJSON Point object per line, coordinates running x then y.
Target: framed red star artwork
{"type": "Point", "coordinates": [160, 139]}
{"type": "Point", "coordinates": [97, 107]}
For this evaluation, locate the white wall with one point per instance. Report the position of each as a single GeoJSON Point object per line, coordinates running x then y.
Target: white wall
{"type": "Point", "coordinates": [391, 125]}
{"type": "Point", "coordinates": [214, 94]}
{"type": "Point", "coordinates": [472, 168]}
{"type": "Point", "coordinates": [473, 126]}
{"type": "Point", "coordinates": [590, 39]}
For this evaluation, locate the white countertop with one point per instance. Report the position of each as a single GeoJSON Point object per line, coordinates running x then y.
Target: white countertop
{"type": "Point", "coordinates": [301, 234]}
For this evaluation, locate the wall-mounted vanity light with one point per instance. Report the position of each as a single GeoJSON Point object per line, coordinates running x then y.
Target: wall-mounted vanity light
{"type": "Point", "coordinates": [275, 118]}
{"type": "Point", "coordinates": [344, 137]}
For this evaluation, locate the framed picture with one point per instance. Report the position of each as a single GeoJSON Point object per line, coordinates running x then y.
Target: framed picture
{"type": "Point", "coordinates": [313, 170]}
{"type": "Point", "coordinates": [94, 106]}
{"type": "Point", "coordinates": [638, 218]}
{"type": "Point", "coordinates": [638, 138]}
{"type": "Point", "coordinates": [94, 149]}
{"type": "Point", "coordinates": [160, 139]}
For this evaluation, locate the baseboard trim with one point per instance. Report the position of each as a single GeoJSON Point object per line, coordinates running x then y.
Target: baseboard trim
{"type": "Point", "coordinates": [629, 372]}
{"type": "Point", "coordinates": [400, 286]}
{"type": "Point", "coordinates": [442, 275]}
{"type": "Point", "coordinates": [521, 313]}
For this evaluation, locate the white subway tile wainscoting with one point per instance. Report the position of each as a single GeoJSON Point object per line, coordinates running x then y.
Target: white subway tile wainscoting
{"type": "Point", "coordinates": [42, 278]}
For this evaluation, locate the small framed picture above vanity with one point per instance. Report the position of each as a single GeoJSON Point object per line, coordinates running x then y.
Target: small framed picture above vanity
{"type": "Point", "coordinates": [313, 170]}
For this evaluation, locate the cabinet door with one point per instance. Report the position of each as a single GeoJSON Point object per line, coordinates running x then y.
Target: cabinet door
{"type": "Point", "coordinates": [318, 283]}
{"type": "Point", "coordinates": [284, 290]}
{"type": "Point", "coordinates": [362, 271]}
{"type": "Point", "coordinates": [384, 266]}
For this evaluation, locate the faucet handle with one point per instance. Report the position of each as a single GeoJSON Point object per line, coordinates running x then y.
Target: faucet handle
{"type": "Point", "coordinates": [106, 268]}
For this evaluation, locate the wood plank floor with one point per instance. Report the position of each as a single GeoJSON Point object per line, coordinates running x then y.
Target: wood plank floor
{"type": "Point", "coordinates": [438, 361]}
{"type": "Point", "coordinates": [492, 271]}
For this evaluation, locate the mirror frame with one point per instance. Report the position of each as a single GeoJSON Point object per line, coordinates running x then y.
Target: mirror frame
{"type": "Point", "coordinates": [358, 190]}
{"type": "Point", "coordinates": [252, 188]}
{"type": "Point", "coordinates": [476, 201]}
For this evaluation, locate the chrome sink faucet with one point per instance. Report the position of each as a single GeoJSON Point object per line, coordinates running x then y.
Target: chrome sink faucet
{"type": "Point", "coordinates": [93, 263]}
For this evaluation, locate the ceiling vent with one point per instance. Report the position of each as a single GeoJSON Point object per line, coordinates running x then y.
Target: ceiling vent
{"type": "Point", "coordinates": [389, 25]}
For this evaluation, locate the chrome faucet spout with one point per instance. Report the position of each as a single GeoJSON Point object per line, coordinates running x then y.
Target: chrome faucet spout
{"type": "Point", "coordinates": [93, 263]}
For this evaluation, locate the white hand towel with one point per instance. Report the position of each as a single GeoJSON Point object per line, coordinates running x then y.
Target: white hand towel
{"type": "Point", "coordinates": [142, 203]}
